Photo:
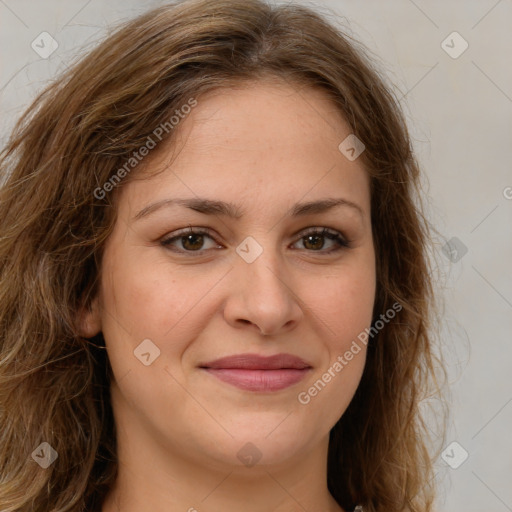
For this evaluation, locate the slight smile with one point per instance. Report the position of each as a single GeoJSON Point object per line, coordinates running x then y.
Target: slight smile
{"type": "Point", "coordinates": [253, 372]}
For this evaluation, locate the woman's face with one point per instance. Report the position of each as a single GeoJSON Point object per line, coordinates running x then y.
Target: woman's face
{"type": "Point", "coordinates": [171, 304]}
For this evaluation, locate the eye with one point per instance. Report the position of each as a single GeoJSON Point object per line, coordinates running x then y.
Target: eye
{"type": "Point", "coordinates": [192, 240]}
{"type": "Point", "coordinates": [314, 239]}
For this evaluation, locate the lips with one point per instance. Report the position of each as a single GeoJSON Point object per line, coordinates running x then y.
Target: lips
{"type": "Point", "coordinates": [257, 362]}
{"type": "Point", "coordinates": [253, 372]}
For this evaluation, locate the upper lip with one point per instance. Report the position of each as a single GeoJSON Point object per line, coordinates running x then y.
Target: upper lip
{"type": "Point", "coordinates": [258, 362]}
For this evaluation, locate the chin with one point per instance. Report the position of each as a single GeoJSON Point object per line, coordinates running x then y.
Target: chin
{"type": "Point", "coordinates": [259, 444]}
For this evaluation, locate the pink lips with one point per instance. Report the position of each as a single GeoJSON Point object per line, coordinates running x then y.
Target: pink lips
{"type": "Point", "coordinates": [253, 372]}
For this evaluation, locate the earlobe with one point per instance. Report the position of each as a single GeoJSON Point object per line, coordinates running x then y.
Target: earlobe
{"type": "Point", "coordinates": [89, 320]}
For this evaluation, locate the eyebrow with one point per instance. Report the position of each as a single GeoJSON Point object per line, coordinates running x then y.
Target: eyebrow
{"type": "Point", "coordinates": [214, 207]}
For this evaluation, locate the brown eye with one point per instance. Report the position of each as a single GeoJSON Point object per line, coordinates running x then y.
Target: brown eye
{"type": "Point", "coordinates": [314, 242]}
{"type": "Point", "coordinates": [190, 241]}
{"type": "Point", "coordinates": [315, 239]}
{"type": "Point", "coordinates": [193, 241]}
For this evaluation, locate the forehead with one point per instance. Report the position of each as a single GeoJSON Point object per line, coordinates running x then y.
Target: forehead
{"type": "Point", "coordinates": [266, 114]}
{"type": "Point", "coordinates": [267, 136]}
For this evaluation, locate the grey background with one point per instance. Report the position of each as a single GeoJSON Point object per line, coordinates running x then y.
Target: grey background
{"type": "Point", "coordinates": [460, 115]}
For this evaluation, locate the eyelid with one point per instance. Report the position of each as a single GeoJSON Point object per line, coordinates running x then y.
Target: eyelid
{"type": "Point", "coordinates": [322, 230]}
{"type": "Point", "coordinates": [176, 235]}
{"type": "Point", "coordinates": [335, 235]}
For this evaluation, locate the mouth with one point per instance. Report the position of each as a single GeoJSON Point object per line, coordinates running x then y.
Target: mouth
{"type": "Point", "coordinates": [252, 372]}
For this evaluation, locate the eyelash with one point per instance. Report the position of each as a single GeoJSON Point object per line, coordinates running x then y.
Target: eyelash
{"type": "Point", "coordinates": [325, 232]}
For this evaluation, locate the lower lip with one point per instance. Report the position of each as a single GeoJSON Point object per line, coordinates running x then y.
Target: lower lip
{"type": "Point", "coordinates": [259, 380]}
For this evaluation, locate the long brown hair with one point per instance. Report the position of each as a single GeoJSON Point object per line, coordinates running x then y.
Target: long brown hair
{"type": "Point", "coordinates": [55, 215]}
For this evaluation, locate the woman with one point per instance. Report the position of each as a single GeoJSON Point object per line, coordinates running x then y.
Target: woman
{"type": "Point", "coordinates": [214, 281]}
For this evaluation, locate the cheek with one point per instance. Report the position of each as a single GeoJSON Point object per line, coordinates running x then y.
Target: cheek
{"type": "Point", "coordinates": [145, 299]}
{"type": "Point", "coordinates": [344, 305]}
{"type": "Point", "coordinates": [344, 302]}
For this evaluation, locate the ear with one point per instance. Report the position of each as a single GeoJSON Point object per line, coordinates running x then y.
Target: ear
{"type": "Point", "coordinates": [89, 319]}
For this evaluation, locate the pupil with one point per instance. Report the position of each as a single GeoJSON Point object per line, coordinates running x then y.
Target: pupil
{"type": "Point", "coordinates": [193, 237]}
{"type": "Point", "coordinates": [314, 237]}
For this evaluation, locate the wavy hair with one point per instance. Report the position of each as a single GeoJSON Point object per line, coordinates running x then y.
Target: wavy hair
{"type": "Point", "coordinates": [84, 126]}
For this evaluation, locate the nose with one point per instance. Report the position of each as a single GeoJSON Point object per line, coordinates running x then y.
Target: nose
{"type": "Point", "coordinates": [261, 295]}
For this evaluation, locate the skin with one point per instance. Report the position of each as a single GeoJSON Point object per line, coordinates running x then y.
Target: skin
{"type": "Point", "coordinates": [263, 146]}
